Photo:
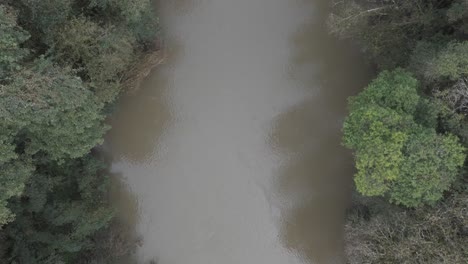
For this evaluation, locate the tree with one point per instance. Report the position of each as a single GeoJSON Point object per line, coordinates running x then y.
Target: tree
{"type": "Point", "coordinates": [44, 16]}
{"type": "Point", "coordinates": [388, 30]}
{"type": "Point", "coordinates": [397, 154]}
{"type": "Point", "coordinates": [14, 170]}
{"type": "Point", "coordinates": [46, 112]}
{"type": "Point", "coordinates": [62, 207]}
{"type": "Point", "coordinates": [440, 61]}
{"type": "Point", "coordinates": [61, 65]}
{"type": "Point", "coordinates": [457, 15]}
{"type": "Point", "coordinates": [11, 37]}
{"type": "Point", "coordinates": [49, 110]}
{"type": "Point", "coordinates": [432, 163]}
{"type": "Point", "coordinates": [377, 232]}
{"type": "Point", "coordinates": [103, 53]}
{"type": "Point", "coordinates": [128, 10]}
{"type": "Point", "coordinates": [375, 134]}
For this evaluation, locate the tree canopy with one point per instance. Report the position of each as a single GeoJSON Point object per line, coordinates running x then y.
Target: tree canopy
{"type": "Point", "coordinates": [407, 129]}
{"type": "Point", "coordinates": [397, 155]}
{"type": "Point", "coordinates": [62, 63]}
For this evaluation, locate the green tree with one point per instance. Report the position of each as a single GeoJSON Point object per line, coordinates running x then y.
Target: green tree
{"type": "Point", "coordinates": [11, 37]}
{"type": "Point", "coordinates": [103, 54]}
{"type": "Point", "coordinates": [49, 110]}
{"type": "Point", "coordinates": [457, 15]}
{"type": "Point", "coordinates": [375, 134]}
{"type": "Point", "coordinates": [45, 110]}
{"type": "Point", "coordinates": [63, 205]}
{"type": "Point", "coordinates": [432, 163]}
{"type": "Point", "coordinates": [14, 170]}
{"type": "Point", "coordinates": [397, 156]}
{"type": "Point", "coordinates": [442, 62]}
{"type": "Point", "coordinates": [44, 16]}
{"type": "Point", "coordinates": [128, 10]}
{"type": "Point", "coordinates": [61, 65]}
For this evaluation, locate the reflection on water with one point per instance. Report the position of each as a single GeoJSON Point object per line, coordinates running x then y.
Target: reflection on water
{"type": "Point", "coordinates": [232, 149]}
{"type": "Point", "coordinates": [140, 120]}
{"type": "Point", "coordinates": [314, 183]}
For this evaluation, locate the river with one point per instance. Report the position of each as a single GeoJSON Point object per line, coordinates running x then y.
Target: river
{"type": "Point", "coordinates": [231, 150]}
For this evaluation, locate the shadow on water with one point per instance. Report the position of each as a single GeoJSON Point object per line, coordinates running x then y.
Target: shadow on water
{"type": "Point", "coordinates": [123, 237]}
{"type": "Point", "coordinates": [314, 185]}
{"type": "Point", "coordinates": [135, 139]}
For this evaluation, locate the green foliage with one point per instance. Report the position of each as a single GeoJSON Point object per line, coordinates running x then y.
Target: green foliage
{"type": "Point", "coordinates": [136, 16]}
{"type": "Point", "coordinates": [11, 37]}
{"type": "Point", "coordinates": [396, 90]}
{"type": "Point", "coordinates": [44, 109]}
{"type": "Point", "coordinates": [129, 10]}
{"type": "Point", "coordinates": [452, 62]}
{"type": "Point", "coordinates": [396, 155]}
{"type": "Point", "coordinates": [61, 64]}
{"type": "Point", "coordinates": [146, 29]}
{"type": "Point", "coordinates": [102, 54]}
{"type": "Point", "coordinates": [457, 14]}
{"type": "Point", "coordinates": [61, 208]}
{"type": "Point", "coordinates": [13, 177]}
{"type": "Point", "coordinates": [45, 16]}
{"type": "Point", "coordinates": [431, 165]}
{"type": "Point", "coordinates": [440, 61]}
{"type": "Point", "coordinates": [402, 134]}
{"type": "Point", "coordinates": [48, 109]}
{"type": "Point", "coordinates": [374, 134]}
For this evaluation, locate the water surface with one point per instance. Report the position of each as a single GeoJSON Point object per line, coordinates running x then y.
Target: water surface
{"type": "Point", "coordinates": [232, 148]}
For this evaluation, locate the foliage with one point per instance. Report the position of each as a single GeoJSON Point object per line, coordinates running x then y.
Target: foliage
{"type": "Point", "coordinates": [432, 163]}
{"type": "Point", "coordinates": [396, 156]}
{"type": "Point", "coordinates": [63, 206]}
{"type": "Point", "coordinates": [440, 61]}
{"type": "Point", "coordinates": [386, 25]}
{"type": "Point", "coordinates": [130, 10]}
{"type": "Point", "coordinates": [14, 174]}
{"type": "Point", "coordinates": [102, 54]}
{"type": "Point", "coordinates": [378, 233]}
{"type": "Point", "coordinates": [44, 16]}
{"type": "Point", "coordinates": [428, 38]}
{"type": "Point", "coordinates": [452, 62]}
{"type": "Point", "coordinates": [61, 65]}
{"type": "Point", "coordinates": [45, 110]}
{"type": "Point", "coordinates": [388, 30]}
{"type": "Point", "coordinates": [136, 15]}
{"type": "Point", "coordinates": [49, 109]}
{"type": "Point", "coordinates": [11, 36]}
{"type": "Point", "coordinates": [375, 135]}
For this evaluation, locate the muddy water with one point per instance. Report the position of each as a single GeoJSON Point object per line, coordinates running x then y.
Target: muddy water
{"type": "Point", "coordinates": [231, 149]}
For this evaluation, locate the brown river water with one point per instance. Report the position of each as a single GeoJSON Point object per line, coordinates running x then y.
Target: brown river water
{"type": "Point", "coordinates": [231, 149]}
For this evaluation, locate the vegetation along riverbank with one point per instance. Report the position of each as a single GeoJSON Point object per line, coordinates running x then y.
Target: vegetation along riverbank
{"type": "Point", "coordinates": [63, 64]}
{"type": "Point", "coordinates": [408, 130]}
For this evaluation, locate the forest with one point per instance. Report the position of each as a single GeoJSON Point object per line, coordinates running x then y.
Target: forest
{"type": "Point", "coordinates": [408, 130]}
{"type": "Point", "coordinates": [63, 64]}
